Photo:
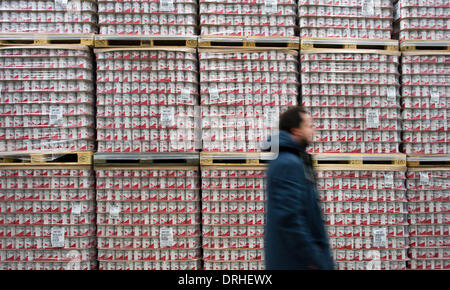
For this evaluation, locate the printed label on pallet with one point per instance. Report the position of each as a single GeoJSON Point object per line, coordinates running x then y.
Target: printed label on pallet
{"type": "Point", "coordinates": [166, 5]}
{"type": "Point", "coordinates": [397, 11]}
{"type": "Point", "coordinates": [424, 179]}
{"type": "Point", "coordinates": [56, 115]}
{"type": "Point", "coordinates": [213, 93]}
{"type": "Point", "coordinates": [389, 180]}
{"type": "Point", "coordinates": [114, 210]}
{"type": "Point", "coordinates": [372, 118]}
{"type": "Point", "coordinates": [166, 237]}
{"type": "Point", "coordinates": [368, 8]}
{"type": "Point", "coordinates": [76, 208]}
{"type": "Point", "coordinates": [379, 237]}
{"type": "Point", "coordinates": [271, 6]}
{"type": "Point", "coordinates": [57, 237]}
{"type": "Point", "coordinates": [434, 100]}
{"type": "Point", "coordinates": [167, 116]}
{"type": "Point", "coordinates": [185, 95]}
{"type": "Point", "coordinates": [61, 4]}
{"type": "Point", "coordinates": [391, 94]}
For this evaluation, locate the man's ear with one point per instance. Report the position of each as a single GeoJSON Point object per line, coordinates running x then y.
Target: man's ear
{"type": "Point", "coordinates": [296, 131]}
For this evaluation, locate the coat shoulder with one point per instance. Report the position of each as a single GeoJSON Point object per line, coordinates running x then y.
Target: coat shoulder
{"type": "Point", "coordinates": [286, 164]}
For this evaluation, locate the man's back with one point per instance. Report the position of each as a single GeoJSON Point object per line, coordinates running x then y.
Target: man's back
{"type": "Point", "coordinates": [295, 233]}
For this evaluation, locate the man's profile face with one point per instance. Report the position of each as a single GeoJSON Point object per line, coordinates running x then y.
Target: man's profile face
{"type": "Point", "coordinates": [305, 133]}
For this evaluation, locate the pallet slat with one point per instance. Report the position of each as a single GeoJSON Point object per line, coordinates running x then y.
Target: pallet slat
{"type": "Point", "coordinates": [235, 159]}
{"type": "Point", "coordinates": [359, 159]}
{"type": "Point", "coordinates": [317, 43]}
{"type": "Point", "coordinates": [424, 45]}
{"type": "Point", "coordinates": [44, 158]}
{"type": "Point", "coordinates": [8, 39]}
{"type": "Point", "coordinates": [248, 42]}
{"type": "Point", "coordinates": [142, 41]}
{"type": "Point", "coordinates": [149, 159]}
{"type": "Point", "coordinates": [425, 161]}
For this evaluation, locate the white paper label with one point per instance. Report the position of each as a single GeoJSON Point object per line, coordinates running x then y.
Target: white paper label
{"type": "Point", "coordinates": [368, 8]}
{"type": "Point", "coordinates": [397, 11]}
{"type": "Point", "coordinates": [76, 208]}
{"type": "Point", "coordinates": [213, 92]}
{"type": "Point", "coordinates": [391, 94]}
{"type": "Point", "coordinates": [185, 95]}
{"type": "Point", "coordinates": [389, 180]}
{"type": "Point", "coordinates": [166, 5]}
{"type": "Point", "coordinates": [375, 263]}
{"type": "Point", "coordinates": [57, 237]}
{"type": "Point", "coordinates": [62, 4]}
{"type": "Point", "coordinates": [167, 116]}
{"type": "Point", "coordinates": [114, 210]}
{"type": "Point", "coordinates": [372, 118]}
{"type": "Point", "coordinates": [434, 100]}
{"type": "Point", "coordinates": [166, 237]}
{"type": "Point", "coordinates": [424, 179]}
{"type": "Point", "coordinates": [56, 115]}
{"type": "Point", "coordinates": [379, 237]}
{"type": "Point", "coordinates": [272, 118]}
{"type": "Point", "coordinates": [271, 6]}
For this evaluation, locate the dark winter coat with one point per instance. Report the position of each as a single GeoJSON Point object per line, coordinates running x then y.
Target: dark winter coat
{"type": "Point", "coordinates": [295, 236]}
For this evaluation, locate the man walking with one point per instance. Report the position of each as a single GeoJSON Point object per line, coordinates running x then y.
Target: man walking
{"type": "Point", "coordinates": [295, 233]}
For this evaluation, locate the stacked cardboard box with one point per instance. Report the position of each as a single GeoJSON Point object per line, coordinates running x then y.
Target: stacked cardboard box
{"type": "Point", "coordinates": [425, 101]}
{"type": "Point", "coordinates": [423, 19]}
{"type": "Point", "coordinates": [367, 19]}
{"type": "Point", "coordinates": [259, 18]}
{"type": "Point", "coordinates": [144, 17]}
{"type": "Point", "coordinates": [146, 100]}
{"type": "Point", "coordinates": [47, 218]}
{"type": "Point", "coordinates": [233, 218]}
{"type": "Point", "coordinates": [47, 98]}
{"type": "Point", "coordinates": [365, 213]}
{"type": "Point", "coordinates": [242, 93]}
{"type": "Point", "coordinates": [428, 208]}
{"type": "Point", "coordinates": [40, 16]}
{"type": "Point", "coordinates": [352, 96]}
{"type": "Point", "coordinates": [148, 218]}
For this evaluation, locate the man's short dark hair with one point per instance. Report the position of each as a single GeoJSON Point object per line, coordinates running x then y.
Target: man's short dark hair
{"type": "Point", "coordinates": [292, 118]}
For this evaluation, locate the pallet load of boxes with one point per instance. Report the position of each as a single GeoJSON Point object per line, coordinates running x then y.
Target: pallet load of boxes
{"type": "Point", "coordinates": [133, 134]}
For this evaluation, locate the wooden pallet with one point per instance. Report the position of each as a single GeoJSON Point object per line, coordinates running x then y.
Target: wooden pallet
{"type": "Point", "coordinates": [142, 41]}
{"type": "Point", "coordinates": [424, 45]}
{"type": "Point", "coordinates": [44, 158]}
{"type": "Point", "coordinates": [248, 42]}
{"type": "Point", "coordinates": [337, 159]}
{"type": "Point", "coordinates": [147, 159]}
{"type": "Point", "coordinates": [431, 160]}
{"type": "Point", "coordinates": [313, 43]}
{"type": "Point", "coordinates": [235, 159]}
{"type": "Point", "coordinates": [8, 39]}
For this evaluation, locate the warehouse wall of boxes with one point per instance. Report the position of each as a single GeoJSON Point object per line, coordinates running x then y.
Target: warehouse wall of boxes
{"type": "Point", "coordinates": [133, 134]}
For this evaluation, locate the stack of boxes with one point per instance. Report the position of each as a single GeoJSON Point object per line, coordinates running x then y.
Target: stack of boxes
{"type": "Point", "coordinates": [148, 218]}
{"type": "Point", "coordinates": [367, 19]}
{"type": "Point", "coordinates": [233, 217]}
{"type": "Point", "coordinates": [242, 92]}
{"type": "Point", "coordinates": [428, 207]}
{"type": "Point", "coordinates": [423, 20]}
{"type": "Point", "coordinates": [146, 100]}
{"type": "Point", "coordinates": [47, 99]}
{"type": "Point", "coordinates": [40, 16]}
{"type": "Point", "coordinates": [239, 18]}
{"type": "Point", "coordinates": [47, 218]}
{"type": "Point", "coordinates": [425, 96]}
{"type": "Point", "coordinates": [143, 17]}
{"type": "Point", "coordinates": [352, 96]}
{"type": "Point", "coordinates": [366, 216]}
